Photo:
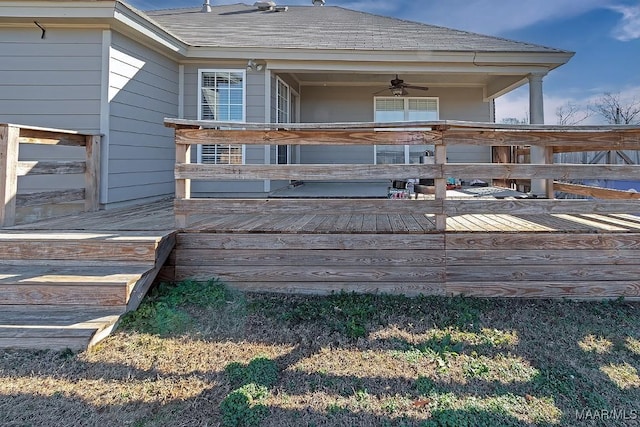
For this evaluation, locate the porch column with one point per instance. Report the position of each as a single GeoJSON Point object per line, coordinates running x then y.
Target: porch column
{"type": "Point", "coordinates": [539, 187]}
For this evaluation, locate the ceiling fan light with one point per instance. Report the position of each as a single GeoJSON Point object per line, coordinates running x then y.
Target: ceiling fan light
{"type": "Point", "coordinates": [397, 91]}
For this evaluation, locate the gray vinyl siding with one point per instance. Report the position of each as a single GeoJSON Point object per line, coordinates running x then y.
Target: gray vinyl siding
{"type": "Point", "coordinates": [55, 83]}
{"type": "Point", "coordinates": [51, 82]}
{"type": "Point", "coordinates": [319, 104]}
{"type": "Point", "coordinates": [355, 104]}
{"type": "Point", "coordinates": [143, 90]}
{"type": "Point", "coordinates": [255, 112]}
{"type": "Point", "coordinates": [464, 104]}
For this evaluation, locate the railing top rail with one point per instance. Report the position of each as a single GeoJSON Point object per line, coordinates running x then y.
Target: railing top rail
{"type": "Point", "coordinates": [440, 125]}
{"type": "Point", "coordinates": [51, 130]}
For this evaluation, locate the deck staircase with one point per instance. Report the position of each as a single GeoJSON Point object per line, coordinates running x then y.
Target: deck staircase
{"type": "Point", "coordinates": [67, 289]}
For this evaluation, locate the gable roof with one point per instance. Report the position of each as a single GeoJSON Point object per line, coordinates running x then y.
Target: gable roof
{"type": "Point", "coordinates": [328, 27]}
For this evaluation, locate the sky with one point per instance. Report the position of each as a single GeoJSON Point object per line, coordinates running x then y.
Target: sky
{"type": "Point", "coordinates": [604, 34]}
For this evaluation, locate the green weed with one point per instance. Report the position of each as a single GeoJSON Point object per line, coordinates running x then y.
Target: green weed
{"type": "Point", "coordinates": [211, 293]}
{"type": "Point", "coordinates": [475, 367]}
{"type": "Point", "coordinates": [163, 310]}
{"type": "Point", "coordinates": [346, 313]}
{"type": "Point", "coordinates": [261, 371]}
{"type": "Point", "coordinates": [469, 418]}
{"type": "Point", "coordinates": [555, 381]}
{"type": "Point", "coordinates": [335, 409]}
{"type": "Point", "coordinates": [244, 406]}
{"type": "Point", "coordinates": [157, 318]}
{"type": "Point", "coordinates": [424, 385]}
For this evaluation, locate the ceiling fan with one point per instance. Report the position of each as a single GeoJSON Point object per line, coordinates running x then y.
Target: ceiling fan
{"type": "Point", "coordinates": [399, 88]}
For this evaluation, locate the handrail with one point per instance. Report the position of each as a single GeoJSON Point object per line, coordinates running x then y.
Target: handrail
{"type": "Point", "coordinates": [12, 136]}
{"type": "Point", "coordinates": [440, 134]}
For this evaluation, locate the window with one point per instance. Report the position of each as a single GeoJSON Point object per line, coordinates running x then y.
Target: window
{"type": "Point", "coordinates": [284, 99]}
{"type": "Point", "coordinates": [222, 97]}
{"type": "Point", "coordinates": [397, 109]}
{"type": "Point", "coordinates": [283, 110]}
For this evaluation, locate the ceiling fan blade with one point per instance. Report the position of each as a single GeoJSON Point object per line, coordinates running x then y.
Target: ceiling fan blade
{"type": "Point", "coordinates": [416, 87]}
{"type": "Point", "coordinates": [381, 91]}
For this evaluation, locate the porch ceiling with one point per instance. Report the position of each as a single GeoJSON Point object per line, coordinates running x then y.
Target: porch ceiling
{"type": "Point", "coordinates": [494, 85]}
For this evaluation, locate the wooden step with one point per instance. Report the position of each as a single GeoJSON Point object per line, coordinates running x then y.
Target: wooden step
{"type": "Point", "coordinates": [55, 327]}
{"type": "Point", "coordinates": [70, 245]}
{"type": "Point", "coordinates": [69, 285]}
{"type": "Point", "coordinates": [67, 289]}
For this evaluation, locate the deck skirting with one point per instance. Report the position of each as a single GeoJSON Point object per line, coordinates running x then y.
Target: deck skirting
{"type": "Point", "coordinates": [518, 264]}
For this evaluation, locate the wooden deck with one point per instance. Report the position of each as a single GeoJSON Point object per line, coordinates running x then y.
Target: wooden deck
{"type": "Point", "coordinates": [535, 256]}
{"type": "Point", "coordinates": [414, 224]}
{"type": "Point", "coordinates": [65, 282]}
{"type": "Point", "coordinates": [503, 246]}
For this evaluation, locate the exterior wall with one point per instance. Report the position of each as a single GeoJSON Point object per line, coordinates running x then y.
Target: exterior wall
{"type": "Point", "coordinates": [52, 82]}
{"type": "Point", "coordinates": [336, 104]}
{"type": "Point", "coordinates": [464, 104]}
{"type": "Point", "coordinates": [143, 90]}
{"type": "Point", "coordinates": [355, 104]}
{"type": "Point", "coordinates": [56, 82]}
{"type": "Point", "coordinates": [255, 112]}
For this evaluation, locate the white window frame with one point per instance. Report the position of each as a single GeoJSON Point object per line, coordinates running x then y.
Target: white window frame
{"type": "Point", "coordinates": [202, 71]}
{"type": "Point", "coordinates": [406, 100]}
{"type": "Point", "coordinates": [280, 82]}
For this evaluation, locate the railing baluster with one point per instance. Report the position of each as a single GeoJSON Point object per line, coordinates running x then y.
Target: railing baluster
{"type": "Point", "coordinates": [183, 186]}
{"type": "Point", "coordinates": [441, 185]}
{"type": "Point", "coordinates": [9, 146]}
{"type": "Point", "coordinates": [92, 173]}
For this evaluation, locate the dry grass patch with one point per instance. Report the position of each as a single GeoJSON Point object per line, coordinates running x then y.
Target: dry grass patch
{"type": "Point", "coordinates": [624, 375]}
{"type": "Point", "coordinates": [633, 345]}
{"type": "Point", "coordinates": [595, 344]}
{"type": "Point", "coordinates": [200, 354]}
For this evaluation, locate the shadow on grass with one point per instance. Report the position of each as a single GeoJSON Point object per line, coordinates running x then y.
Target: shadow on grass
{"type": "Point", "coordinates": [561, 375]}
{"type": "Point", "coordinates": [197, 412]}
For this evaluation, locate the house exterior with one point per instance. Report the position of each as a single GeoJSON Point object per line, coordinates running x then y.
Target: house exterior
{"type": "Point", "coordinates": [103, 66]}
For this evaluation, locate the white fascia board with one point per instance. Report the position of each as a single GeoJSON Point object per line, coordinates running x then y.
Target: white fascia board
{"type": "Point", "coordinates": [550, 59]}
{"type": "Point", "coordinates": [141, 25]}
{"type": "Point", "coordinates": [477, 58]}
{"type": "Point", "coordinates": [326, 54]}
{"type": "Point", "coordinates": [62, 9]}
{"type": "Point", "coordinates": [422, 67]}
{"type": "Point", "coordinates": [89, 13]}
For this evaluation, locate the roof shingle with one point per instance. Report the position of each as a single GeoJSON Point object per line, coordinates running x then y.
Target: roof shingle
{"type": "Point", "coordinates": [328, 27]}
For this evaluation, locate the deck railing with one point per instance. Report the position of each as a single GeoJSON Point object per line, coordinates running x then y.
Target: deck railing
{"type": "Point", "coordinates": [11, 168]}
{"type": "Point", "coordinates": [440, 134]}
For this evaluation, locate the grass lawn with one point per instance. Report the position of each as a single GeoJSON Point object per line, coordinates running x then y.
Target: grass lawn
{"type": "Point", "coordinates": [201, 355]}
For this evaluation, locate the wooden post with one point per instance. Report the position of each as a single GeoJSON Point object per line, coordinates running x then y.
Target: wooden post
{"type": "Point", "coordinates": [183, 186]}
{"type": "Point", "coordinates": [441, 185]}
{"type": "Point", "coordinates": [9, 146]}
{"type": "Point", "coordinates": [501, 154]}
{"type": "Point", "coordinates": [92, 173]}
{"type": "Point", "coordinates": [536, 117]}
{"type": "Point", "coordinates": [548, 160]}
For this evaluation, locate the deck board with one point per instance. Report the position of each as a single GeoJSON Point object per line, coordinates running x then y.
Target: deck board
{"type": "Point", "coordinates": [65, 282]}
{"type": "Point", "coordinates": [626, 224]}
{"type": "Point", "coordinates": [355, 223]}
{"type": "Point", "coordinates": [297, 225]}
{"type": "Point", "coordinates": [100, 255]}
